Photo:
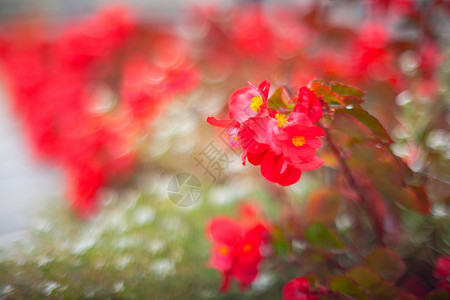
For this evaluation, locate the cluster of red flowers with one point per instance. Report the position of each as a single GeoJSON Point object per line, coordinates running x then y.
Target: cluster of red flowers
{"type": "Point", "coordinates": [64, 89]}
{"type": "Point", "coordinates": [282, 140]}
{"type": "Point", "coordinates": [370, 52]}
{"type": "Point", "coordinates": [237, 249]}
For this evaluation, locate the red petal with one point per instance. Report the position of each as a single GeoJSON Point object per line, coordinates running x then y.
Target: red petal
{"type": "Point", "coordinates": [295, 289]}
{"type": "Point", "coordinates": [239, 104]}
{"type": "Point", "coordinates": [442, 268]}
{"type": "Point", "coordinates": [224, 230]}
{"type": "Point", "coordinates": [220, 261]}
{"type": "Point", "coordinates": [314, 142]}
{"type": "Point", "coordinates": [219, 123]}
{"type": "Point", "coordinates": [311, 165]}
{"type": "Point", "coordinates": [264, 88]}
{"type": "Point", "coordinates": [300, 118]}
{"type": "Point", "coordinates": [276, 169]}
{"type": "Point", "coordinates": [297, 155]}
{"type": "Point", "coordinates": [255, 159]}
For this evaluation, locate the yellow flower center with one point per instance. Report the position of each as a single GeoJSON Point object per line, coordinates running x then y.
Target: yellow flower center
{"type": "Point", "coordinates": [224, 250]}
{"type": "Point", "coordinates": [281, 120]}
{"type": "Point", "coordinates": [247, 248]}
{"type": "Point", "coordinates": [256, 103]}
{"type": "Point", "coordinates": [298, 141]}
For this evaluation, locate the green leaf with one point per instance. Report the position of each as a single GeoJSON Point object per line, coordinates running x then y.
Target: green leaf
{"type": "Point", "coordinates": [322, 207]}
{"type": "Point", "coordinates": [278, 100]}
{"type": "Point", "coordinates": [348, 287]}
{"type": "Point", "coordinates": [326, 94]}
{"type": "Point", "coordinates": [387, 263]}
{"type": "Point", "coordinates": [279, 242]}
{"type": "Point", "coordinates": [368, 120]}
{"type": "Point", "coordinates": [346, 90]}
{"type": "Point", "coordinates": [319, 236]}
{"type": "Point", "coordinates": [376, 286]}
{"type": "Point", "coordinates": [312, 280]}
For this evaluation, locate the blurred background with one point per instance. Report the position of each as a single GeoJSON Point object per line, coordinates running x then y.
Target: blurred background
{"type": "Point", "coordinates": [102, 103]}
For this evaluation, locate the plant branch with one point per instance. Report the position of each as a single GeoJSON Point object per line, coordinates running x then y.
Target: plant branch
{"type": "Point", "coordinates": [376, 222]}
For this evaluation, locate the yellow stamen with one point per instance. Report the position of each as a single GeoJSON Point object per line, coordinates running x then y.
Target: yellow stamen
{"type": "Point", "coordinates": [281, 120]}
{"type": "Point", "coordinates": [224, 250]}
{"type": "Point", "coordinates": [235, 138]}
{"type": "Point", "coordinates": [298, 141]}
{"type": "Point", "coordinates": [256, 103]}
{"type": "Point", "coordinates": [247, 248]}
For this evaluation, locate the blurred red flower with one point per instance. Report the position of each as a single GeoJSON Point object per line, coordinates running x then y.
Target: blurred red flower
{"type": "Point", "coordinates": [55, 82]}
{"type": "Point", "coordinates": [297, 289]}
{"type": "Point", "coordinates": [442, 273]}
{"type": "Point", "coordinates": [237, 246]}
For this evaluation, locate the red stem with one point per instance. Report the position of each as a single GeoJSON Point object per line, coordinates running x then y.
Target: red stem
{"type": "Point", "coordinates": [376, 222]}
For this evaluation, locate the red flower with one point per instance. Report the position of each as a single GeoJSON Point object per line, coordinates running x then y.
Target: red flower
{"type": "Point", "coordinates": [95, 38]}
{"type": "Point", "coordinates": [298, 289]}
{"type": "Point", "coordinates": [291, 146]}
{"type": "Point", "coordinates": [442, 272]}
{"type": "Point", "coordinates": [308, 104]}
{"type": "Point", "coordinates": [244, 103]}
{"type": "Point", "coordinates": [276, 169]}
{"type": "Point", "coordinates": [283, 146]}
{"type": "Point", "coordinates": [236, 250]}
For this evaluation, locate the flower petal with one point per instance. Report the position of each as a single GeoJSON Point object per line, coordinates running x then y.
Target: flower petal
{"type": "Point", "coordinates": [224, 230]}
{"type": "Point", "coordinates": [219, 123]}
{"type": "Point", "coordinates": [276, 169]}
{"type": "Point", "coordinates": [311, 165]}
{"type": "Point", "coordinates": [239, 104]}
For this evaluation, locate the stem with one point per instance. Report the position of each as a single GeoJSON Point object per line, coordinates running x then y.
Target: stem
{"type": "Point", "coordinates": [376, 222]}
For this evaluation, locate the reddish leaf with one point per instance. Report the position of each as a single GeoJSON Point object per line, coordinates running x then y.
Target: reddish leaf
{"type": "Point", "coordinates": [368, 120]}
{"type": "Point", "coordinates": [348, 287]}
{"type": "Point", "coordinates": [351, 100]}
{"type": "Point", "coordinates": [377, 287]}
{"type": "Point", "coordinates": [411, 197]}
{"type": "Point", "coordinates": [346, 127]}
{"type": "Point", "coordinates": [438, 295]}
{"type": "Point", "coordinates": [406, 296]}
{"type": "Point", "coordinates": [346, 90]}
{"type": "Point", "coordinates": [326, 94]}
{"type": "Point", "coordinates": [387, 263]}
{"type": "Point", "coordinates": [322, 207]}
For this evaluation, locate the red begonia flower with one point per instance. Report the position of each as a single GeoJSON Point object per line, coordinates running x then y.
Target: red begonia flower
{"type": "Point", "coordinates": [276, 169]}
{"type": "Point", "coordinates": [299, 143]}
{"type": "Point", "coordinates": [442, 272]}
{"type": "Point", "coordinates": [308, 104]}
{"type": "Point", "coordinates": [298, 289]}
{"type": "Point", "coordinates": [236, 249]}
{"type": "Point", "coordinates": [284, 145]}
